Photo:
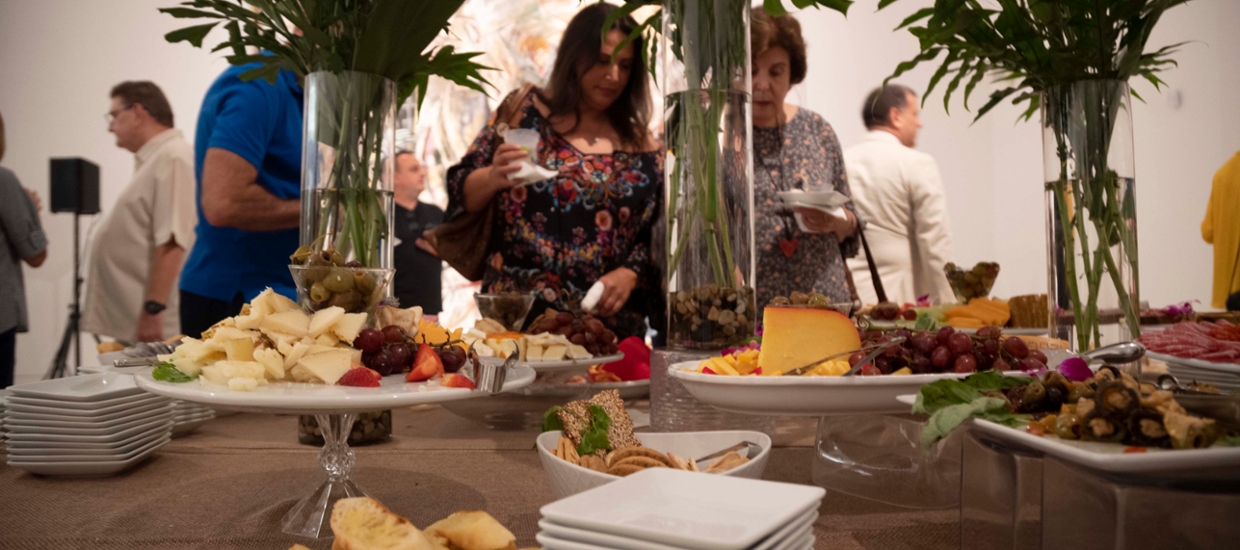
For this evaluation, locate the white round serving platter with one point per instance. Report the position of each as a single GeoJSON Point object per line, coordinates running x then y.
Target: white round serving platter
{"type": "Point", "coordinates": [303, 398]}
{"type": "Point", "coordinates": [1009, 331]}
{"type": "Point", "coordinates": [1229, 368]}
{"type": "Point", "coordinates": [565, 365]}
{"type": "Point", "coordinates": [802, 395]}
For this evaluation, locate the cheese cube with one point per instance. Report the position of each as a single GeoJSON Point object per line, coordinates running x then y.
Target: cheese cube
{"type": "Point", "coordinates": [241, 349]}
{"type": "Point", "coordinates": [555, 352]}
{"type": "Point", "coordinates": [328, 366]}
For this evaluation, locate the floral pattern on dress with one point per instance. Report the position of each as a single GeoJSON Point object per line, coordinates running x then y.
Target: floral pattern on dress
{"type": "Point", "coordinates": [805, 154]}
{"type": "Point", "coordinates": [558, 236]}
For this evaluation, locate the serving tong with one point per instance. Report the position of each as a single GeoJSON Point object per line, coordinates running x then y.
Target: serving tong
{"type": "Point", "coordinates": [877, 349]}
{"type": "Point", "coordinates": [144, 354]}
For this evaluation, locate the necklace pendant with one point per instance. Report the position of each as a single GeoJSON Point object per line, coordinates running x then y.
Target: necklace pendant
{"type": "Point", "coordinates": [789, 247]}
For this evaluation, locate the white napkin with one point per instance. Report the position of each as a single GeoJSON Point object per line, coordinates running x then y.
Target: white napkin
{"type": "Point", "coordinates": [530, 173]}
{"type": "Point", "coordinates": [592, 297]}
{"type": "Point", "coordinates": [837, 212]}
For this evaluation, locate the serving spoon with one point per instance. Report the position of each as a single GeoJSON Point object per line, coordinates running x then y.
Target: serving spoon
{"type": "Point", "coordinates": [878, 348]}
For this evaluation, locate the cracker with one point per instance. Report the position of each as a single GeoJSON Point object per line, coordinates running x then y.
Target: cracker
{"type": "Point", "coordinates": [624, 470]}
{"type": "Point", "coordinates": [643, 461]}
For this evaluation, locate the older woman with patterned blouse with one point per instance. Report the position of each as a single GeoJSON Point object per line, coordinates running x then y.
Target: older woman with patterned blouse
{"type": "Point", "coordinates": [591, 222]}
{"type": "Point", "coordinates": [794, 149]}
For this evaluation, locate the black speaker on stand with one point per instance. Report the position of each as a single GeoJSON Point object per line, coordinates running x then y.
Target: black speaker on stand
{"type": "Point", "coordinates": [74, 189]}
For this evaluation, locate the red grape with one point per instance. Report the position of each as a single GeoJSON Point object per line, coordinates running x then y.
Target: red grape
{"type": "Point", "coordinates": [869, 370]}
{"type": "Point", "coordinates": [996, 332]}
{"type": "Point", "coordinates": [924, 342]}
{"type": "Point", "coordinates": [1038, 356]}
{"type": "Point", "coordinates": [385, 363]}
{"type": "Point", "coordinates": [883, 364]}
{"type": "Point", "coordinates": [1029, 365]}
{"type": "Point", "coordinates": [940, 357]}
{"type": "Point", "coordinates": [991, 347]}
{"type": "Point", "coordinates": [451, 358]}
{"type": "Point", "coordinates": [903, 333]}
{"type": "Point", "coordinates": [965, 363]}
{"type": "Point", "coordinates": [959, 343]}
{"type": "Point", "coordinates": [921, 364]}
{"type": "Point", "coordinates": [1001, 365]}
{"type": "Point", "coordinates": [1016, 347]}
{"type": "Point", "coordinates": [369, 340]}
{"type": "Point", "coordinates": [855, 358]}
{"type": "Point", "coordinates": [401, 354]}
{"type": "Point", "coordinates": [983, 332]}
{"type": "Point", "coordinates": [393, 334]}
{"type": "Point", "coordinates": [943, 334]}
{"type": "Point", "coordinates": [910, 315]}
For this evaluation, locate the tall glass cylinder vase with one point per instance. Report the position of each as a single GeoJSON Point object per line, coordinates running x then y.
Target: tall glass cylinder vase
{"type": "Point", "coordinates": [1091, 213]}
{"type": "Point", "coordinates": [710, 268]}
{"type": "Point", "coordinates": [348, 165]}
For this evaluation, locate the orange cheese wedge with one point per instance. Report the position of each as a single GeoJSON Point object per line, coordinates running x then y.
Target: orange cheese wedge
{"type": "Point", "coordinates": [793, 337]}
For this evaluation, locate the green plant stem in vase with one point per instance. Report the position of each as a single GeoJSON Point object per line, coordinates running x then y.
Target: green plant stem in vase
{"type": "Point", "coordinates": [1072, 61]}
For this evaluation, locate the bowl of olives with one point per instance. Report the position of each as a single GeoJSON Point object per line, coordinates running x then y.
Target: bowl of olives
{"type": "Point", "coordinates": [974, 283]}
{"type": "Point", "coordinates": [508, 308]}
{"type": "Point", "coordinates": [324, 279]}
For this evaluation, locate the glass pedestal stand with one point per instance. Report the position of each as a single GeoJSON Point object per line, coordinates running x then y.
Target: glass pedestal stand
{"type": "Point", "coordinates": [313, 512]}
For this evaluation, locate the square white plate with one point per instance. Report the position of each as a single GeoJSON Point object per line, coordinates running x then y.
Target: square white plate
{"type": "Point", "coordinates": [152, 408]}
{"type": "Point", "coordinates": [43, 428]}
{"type": "Point", "coordinates": [687, 509]}
{"type": "Point", "coordinates": [154, 425]}
{"type": "Point", "coordinates": [78, 445]}
{"type": "Point", "coordinates": [76, 405]}
{"type": "Point", "coordinates": [178, 419]}
{"type": "Point", "coordinates": [141, 400]}
{"type": "Point", "coordinates": [82, 450]}
{"type": "Point", "coordinates": [39, 459]}
{"type": "Point", "coordinates": [90, 387]}
{"type": "Point", "coordinates": [552, 542]}
{"type": "Point", "coordinates": [787, 535]}
{"type": "Point", "coordinates": [89, 468]}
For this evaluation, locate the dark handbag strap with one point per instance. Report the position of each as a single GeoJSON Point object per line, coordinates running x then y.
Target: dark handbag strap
{"type": "Point", "coordinates": [869, 260]}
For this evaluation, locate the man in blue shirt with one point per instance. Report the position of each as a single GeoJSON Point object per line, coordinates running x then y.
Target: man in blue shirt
{"type": "Point", "coordinates": [247, 160]}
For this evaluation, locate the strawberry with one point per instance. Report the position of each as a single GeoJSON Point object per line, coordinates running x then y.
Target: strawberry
{"type": "Point", "coordinates": [456, 381]}
{"type": "Point", "coordinates": [426, 365]}
{"type": "Point", "coordinates": [360, 377]}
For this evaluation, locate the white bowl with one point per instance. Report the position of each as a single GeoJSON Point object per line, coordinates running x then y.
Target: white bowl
{"type": "Point", "coordinates": [569, 479]}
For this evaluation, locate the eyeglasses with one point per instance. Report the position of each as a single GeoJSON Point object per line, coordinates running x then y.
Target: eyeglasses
{"type": "Point", "coordinates": [112, 114]}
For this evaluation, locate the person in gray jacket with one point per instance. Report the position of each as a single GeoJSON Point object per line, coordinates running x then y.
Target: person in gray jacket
{"type": "Point", "coordinates": [25, 241]}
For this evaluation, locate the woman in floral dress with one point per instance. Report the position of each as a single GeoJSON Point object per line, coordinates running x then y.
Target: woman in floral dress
{"type": "Point", "coordinates": [592, 222]}
{"type": "Point", "coordinates": [794, 149]}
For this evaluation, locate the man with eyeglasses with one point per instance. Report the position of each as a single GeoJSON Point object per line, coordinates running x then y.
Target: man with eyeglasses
{"type": "Point", "coordinates": [140, 244]}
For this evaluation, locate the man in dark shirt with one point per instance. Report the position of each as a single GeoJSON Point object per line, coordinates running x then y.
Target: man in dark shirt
{"type": "Point", "coordinates": [418, 269]}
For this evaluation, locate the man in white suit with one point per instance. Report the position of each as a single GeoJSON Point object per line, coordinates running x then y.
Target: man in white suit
{"type": "Point", "coordinates": [899, 193]}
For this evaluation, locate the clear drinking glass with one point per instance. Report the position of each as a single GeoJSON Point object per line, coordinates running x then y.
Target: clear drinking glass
{"type": "Point", "coordinates": [1091, 213]}
{"type": "Point", "coordinates": [710, 266]}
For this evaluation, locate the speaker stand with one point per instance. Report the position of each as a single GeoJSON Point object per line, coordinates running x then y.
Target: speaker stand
{"type": "Point", "coordinates": [72, 335]}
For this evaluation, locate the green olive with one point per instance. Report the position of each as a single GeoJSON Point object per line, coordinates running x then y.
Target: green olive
{"type": "Point", "coordinates": [335, 257]}
{"type": "Point", "coordinates": [319, 293]}
{"type": "Point", "coordinates": [350, 301]}
{"type": "Point", "coordinates": [1035, 394]}
{"type": "Point", "coordinates": [799, 298]}
{"type": "Point", "coordinates": [364, 281]}
{"type": "Point", "coordinates": [302, 254]}
{"type": "Point", "coordinates": [338, 281]}
{"type": "Point", "coordinates": [818, 301]}
{"type": "Point", "coordinates": [780, 301]}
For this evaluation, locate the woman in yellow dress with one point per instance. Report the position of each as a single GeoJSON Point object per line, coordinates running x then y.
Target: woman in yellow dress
{"type": "Point", "coordinates": [1221, 228]}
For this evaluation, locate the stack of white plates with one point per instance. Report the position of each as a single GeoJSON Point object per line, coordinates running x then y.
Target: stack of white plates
{"type": "Point", "coordinates": [187, 417]}
{"type": "Point", "coordinates": [92, 425]}
{"type": "Point", "coordinates": [3, 394]}
{"type": "Point", "coordinates": [665, 509]}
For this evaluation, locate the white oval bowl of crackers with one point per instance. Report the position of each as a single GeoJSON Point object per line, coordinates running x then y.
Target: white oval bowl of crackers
{"type": "Point", "coordinates": [671, 450]}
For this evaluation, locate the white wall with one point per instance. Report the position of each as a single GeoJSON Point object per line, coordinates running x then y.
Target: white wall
{"type": "Point", "coordinates": [59, 58]}
{"type": "Point", "coordinates": [993, 169]}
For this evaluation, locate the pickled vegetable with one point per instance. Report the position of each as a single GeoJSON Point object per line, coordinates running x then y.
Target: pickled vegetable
{"type": "Point", "coordinates": [1095, 427]}
{"type": "Point", "coordinates": [1115, 400]}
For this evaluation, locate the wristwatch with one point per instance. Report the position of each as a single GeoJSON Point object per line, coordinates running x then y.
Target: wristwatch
{"type": "Point", "coordinates": [152, 307]}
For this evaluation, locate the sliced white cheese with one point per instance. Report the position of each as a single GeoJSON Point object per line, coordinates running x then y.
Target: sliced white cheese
{"type": "Point", "coordinates": [187, 366]}
{"type": "Point", "coordinates": [324, 319]}
{"type": "Point", "coordinates": [578, 352]}
{"type": "Point", "coordinates": [241, 349]}
{"type": "Point", "coordinates": [328, 366]}
{"type": "Point", "coordinates": [296, 352]}
{"type": "Point", "coordinates": [280, 303]}
{"type": "Point", "coordinates": [349, 326]}
{"type": "Point", "coordinates": [225, 334]}
{"type": "Point", "coordinates": [555, 352]}
{"type": "Point", "coordinates": [292, 322]}
{"type": "Point", "coordinates": [534, 352]}
{"type": "Point", "coordinates": [272, 361]}
{"type": "Point", "coordinates": [242, 384]}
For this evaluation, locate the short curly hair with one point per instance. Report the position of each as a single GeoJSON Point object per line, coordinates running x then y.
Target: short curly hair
{"type": "Point", "coordinates": [784, 31]}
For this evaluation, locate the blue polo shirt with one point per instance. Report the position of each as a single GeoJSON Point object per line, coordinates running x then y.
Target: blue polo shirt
{"type": "Point", "coordinates": [261, 123]}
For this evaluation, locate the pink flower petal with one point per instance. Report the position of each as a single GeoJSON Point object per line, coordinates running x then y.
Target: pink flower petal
{"type": "Point", "coordinates": [1075, 369]}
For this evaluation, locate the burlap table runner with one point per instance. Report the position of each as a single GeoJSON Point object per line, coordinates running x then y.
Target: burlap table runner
{"type": "Point", "coordinates": [228, 484]}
